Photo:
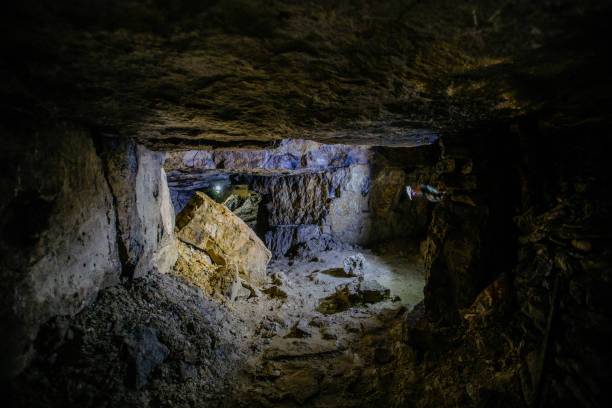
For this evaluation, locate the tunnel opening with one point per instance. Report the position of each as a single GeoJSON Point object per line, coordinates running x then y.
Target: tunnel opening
{"type": "Point", "coordinates": [345, 236]}
{"type": "Point", "coordinates": [333, 240]}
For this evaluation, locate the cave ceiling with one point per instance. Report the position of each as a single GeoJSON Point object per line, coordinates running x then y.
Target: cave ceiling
{"type": "Point", "coordinates": [237, 72]}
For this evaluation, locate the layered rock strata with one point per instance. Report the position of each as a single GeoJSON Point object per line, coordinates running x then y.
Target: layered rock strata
{"type": "Point", "coordinates": [314, 196]}
{"type": "Point", "coordinates": [357, 204]}
{"type": "Point", "coordinates": [288, 157]}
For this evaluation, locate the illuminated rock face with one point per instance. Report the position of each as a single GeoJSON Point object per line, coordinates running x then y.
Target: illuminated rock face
{"type": "Point", "coordinates": [360, 203]}
{"type": "Point", "coordinates": [290, 156]}
{"type": "Point", "coordinates": [314, 195]}
{"type": "Point", "coordinates": [198, 268]}
{"type": "Point", "coordinates": [76, 217]}
{"type": "Point", "coordinates": [213, 228]}
{"type": "Point", "coordinates": [145, 217]}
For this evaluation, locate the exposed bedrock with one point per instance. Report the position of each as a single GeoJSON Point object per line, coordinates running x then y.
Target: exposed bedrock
{"type": "Point", "coordinates": [289, 156]}
{"type": "Point", "coordinates": [329, 195]}
{"type": "Point", "coordinates": [531, 281]}
{"type": "Point", "coordinates": [74, 220]}
{"type": "Point", "coordinates": [191, 170]}
{"type": "Point", "coordinates": [58, 243]}
{"type": "Point", "coordinates": [145, 216]}
{"type": "Point", "coordinates": [358, 204]}
{"type": "Point", "coordinates": [472, 238]}
{"type": "Point", "coordinates": [258, 71]}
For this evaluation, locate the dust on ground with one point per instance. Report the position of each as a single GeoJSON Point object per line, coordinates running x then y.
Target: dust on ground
{"type": "Point", "coordinates": [302, 349]}
{"type": "Point", "coordinates": [161, 341]}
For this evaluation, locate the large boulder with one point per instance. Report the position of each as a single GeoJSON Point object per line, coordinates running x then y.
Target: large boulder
{"type": "Point", "coordinates": [213, 228]}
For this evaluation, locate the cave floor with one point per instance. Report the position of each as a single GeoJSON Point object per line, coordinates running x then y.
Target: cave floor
{"type": "Point", "coordinates": [304, 354]}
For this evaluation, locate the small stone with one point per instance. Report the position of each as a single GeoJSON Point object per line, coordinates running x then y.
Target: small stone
{"type": "Point", "coordinates": [353, 265]}
{"type": "Point", "coordinates": [336, 272]}
{"type": "Point", "coordinates": [338, 302]}
{"type": "Point", "coordinates": [582, 245]}
{"type": "Point", "coordinates": [371, 291]}
{"type": "Point", "coordinates": [328, 335]}
{"type": "Point", "coordinates": [317, 322]}
{"type": "Point", "coordinates": [238, 291]}
{"type": "Point", "coordinates": [300, 385]}
{"type": "Point", "coordinates": [297, 332]}
{"type": "Point", "coordinates": [280, 279]}
{"type": "Point", "coordinates": [352, 327]}
{"type": "Point", "coordinates": [254, 292]}
{"type": "Point", "coordinates": [275, 292]}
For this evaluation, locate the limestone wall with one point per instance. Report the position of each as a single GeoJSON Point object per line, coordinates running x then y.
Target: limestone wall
{"type": "Point", "coordinates": [145, 216]}
{"type": "Point", "coordinates": [74, 217]}
{"type": "Point", "coordinates": [334, 194]}
{"type": "Point", "coordinates": [357, 204]}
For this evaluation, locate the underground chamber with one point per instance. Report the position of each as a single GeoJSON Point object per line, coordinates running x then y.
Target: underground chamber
{"type": "Point", "coordinates": [305, 204]}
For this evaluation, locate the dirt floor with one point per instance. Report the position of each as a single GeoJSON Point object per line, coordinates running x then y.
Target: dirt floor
{"type": "Point", "coordinates": [304, 347]}
{"type": "Point", "coordinates": [160, 341]}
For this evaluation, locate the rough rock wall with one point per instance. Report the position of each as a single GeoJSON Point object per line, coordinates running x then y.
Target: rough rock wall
{"type": "Point", "coordinates": [312, 191]}
{"type": "Point", "coordinates": [519, 263]}
{"type": "Point", "coordinates": [71, 221]}
{"type": "Point", "coordinates": [258, 70]}
{"type": "Point", "coordinates": [564, 265]}
{"type": "Point", "coordinates": [58, 241]}
{"type": "Point", "coordinates": [192, 170]}
{"type": "Point", "coordinates": [357, 204]}
{"type": "Point", "coordinates": [297, 207]}
{"type": "Point", "coordinates": [472, 238]}
{"type": "Point", "coordinates": [145, 217]}
{"type": "Point", "coordinates": [289, 155]}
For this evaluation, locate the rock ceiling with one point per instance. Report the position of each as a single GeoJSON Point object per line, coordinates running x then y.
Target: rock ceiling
{"type": "Point", "coordinates": [178, 73]}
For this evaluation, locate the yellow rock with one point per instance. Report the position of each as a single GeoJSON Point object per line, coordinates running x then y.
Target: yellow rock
{"type": "Point", "coordinates": [214, 229]}
{"type": "Point", "coordinates": [197, 267]}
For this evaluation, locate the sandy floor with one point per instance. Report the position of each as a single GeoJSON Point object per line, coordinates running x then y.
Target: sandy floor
{"type": "Point", "coordinates": [305, 283]}
{"type": "Point", "coordinates": [291, 329]}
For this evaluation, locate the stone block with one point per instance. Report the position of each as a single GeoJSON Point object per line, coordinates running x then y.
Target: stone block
{"type": "Point", "coordinates": [213, 228]}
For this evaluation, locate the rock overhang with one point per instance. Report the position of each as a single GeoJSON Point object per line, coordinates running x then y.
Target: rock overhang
{"type": "Point", "coordinates": [242, 73]}
{"type": "Point", "coordinates": [190, 170]}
